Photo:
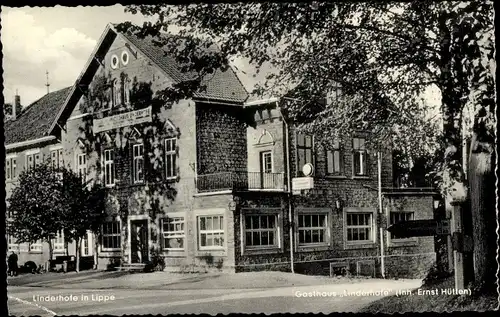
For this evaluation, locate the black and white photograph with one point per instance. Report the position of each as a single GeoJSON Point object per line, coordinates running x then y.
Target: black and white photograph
{"type": "Point", "coordinates": [250, 157]}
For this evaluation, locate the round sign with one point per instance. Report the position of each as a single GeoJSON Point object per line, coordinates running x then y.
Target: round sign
{"type": "Point", "coordinates": [308, 169]}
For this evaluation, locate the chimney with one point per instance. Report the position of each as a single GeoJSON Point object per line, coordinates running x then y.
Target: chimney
{"type": "Point", "coordinates": [17, 103]}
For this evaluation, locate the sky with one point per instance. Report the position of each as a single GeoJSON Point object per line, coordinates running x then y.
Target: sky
{"type": "Point", "coordinates": [58, 40]}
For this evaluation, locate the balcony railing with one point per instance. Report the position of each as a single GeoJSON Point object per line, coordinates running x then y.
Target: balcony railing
{"type": "Point", "coordinates": [240, 181]}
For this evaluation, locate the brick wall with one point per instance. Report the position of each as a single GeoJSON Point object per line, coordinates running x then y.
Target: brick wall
{"type": "Point", "coordinates": [410, 259]}
{"type": "Point", "coordinates": [220, 138]}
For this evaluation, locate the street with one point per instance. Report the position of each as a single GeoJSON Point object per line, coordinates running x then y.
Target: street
{"type": "Point", "coordinates": [326, 298]}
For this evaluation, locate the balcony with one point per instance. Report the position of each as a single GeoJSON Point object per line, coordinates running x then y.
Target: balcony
{"type": "Point", "coordinates": [240, 181]}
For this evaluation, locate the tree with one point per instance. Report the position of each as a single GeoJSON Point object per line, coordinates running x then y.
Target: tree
{"type": "Point", "coordinates": [375, 50]}
{"type": "Point", "coordinates": [36, 206]}
{"type": "Point", "coordinates": [83, 209]}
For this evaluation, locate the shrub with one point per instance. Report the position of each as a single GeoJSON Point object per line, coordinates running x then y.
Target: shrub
{"type": "Point", "coordinates": [436, 273]}
{"type": "Point", "coordinates": [157, 260]}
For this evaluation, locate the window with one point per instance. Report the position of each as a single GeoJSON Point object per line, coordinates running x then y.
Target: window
{"type": "Point", "coordinates": [36, 246]}
{"type": "Point", "coordinates": [10, 168]}
{"type": "Point", "coordinates": [266, 162]}
{"type": "Point", "coordinates": [170, 157]}
{"type": "Point", "coordinates": [81, 166]}
{"type": "Point", "coordinates": [359, 227]}
{"type": "Point", "coordinates": [56, 158]}
{"type": "Point", "coordinates": [125, 58]}
{"type": "Point", "coordinates": [312, 229]}
{"type": "Point", "coordinates": [359, 157]}
{"type": "Point", "coordinates": [115, 93]}
{"type": "Point", "coordinates": [109, 167]}
{"type": "Point", "coordinates": [138, 163]}
{"type": "Point", "coordinates": [304, 151]}
{"type": "Point", "coordinates": [32, 160]}
{"type": "Point", "coordinates": [173, 233]}
{"type": "Point", "coordinates": [114, 61]}
{"type": "Point", "coordinates": [261, 230]}
{"type": "Point", "coordinates": [335, 94]}
{"type": "Point", "coordinates": [334, 162]}
{"type": "Point", "coordinates": [13, 245]}
{"type": "Point", "coordinates": [399, 217]}
{"type": "Point", "coordinates": [126, 91]}
{"type": "Point", "coordinates": [59, 242]}
{"type": "Point", "coordinates": [86, 244]}
{"type": "Point", "coordinates": [111, 236]}
{"type": "Point", "coordinates": [211, 232]}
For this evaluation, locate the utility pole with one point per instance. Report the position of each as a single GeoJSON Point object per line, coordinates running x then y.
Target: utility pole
{"type": "Point", "coordinates": [47, 83]}
{"type": "Point", "coordinates": [381, 211]}
{"type": "Point", "coordinates": [289, 188]}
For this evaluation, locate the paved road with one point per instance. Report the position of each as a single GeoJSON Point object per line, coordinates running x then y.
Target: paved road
{"type": "Point", "coordinates": [316, 299]}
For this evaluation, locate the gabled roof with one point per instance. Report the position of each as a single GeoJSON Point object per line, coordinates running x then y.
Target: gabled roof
{"type": "Point", "coordinates": [223, 86]}
{"type": "Point", "coordinates": [220, 86]}
{"type": "Point", "coordinates": [34, 121]}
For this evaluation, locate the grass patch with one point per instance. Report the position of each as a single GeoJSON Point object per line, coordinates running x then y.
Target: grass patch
{"type": "Point", "coordinates": [434, 303]}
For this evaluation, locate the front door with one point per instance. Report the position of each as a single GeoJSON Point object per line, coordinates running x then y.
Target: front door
{"type": "Point", "coordinates": [139, 241]}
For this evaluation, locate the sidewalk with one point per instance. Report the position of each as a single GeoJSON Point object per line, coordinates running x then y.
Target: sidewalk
{"type": "Point", "coordinates": [177, 281]}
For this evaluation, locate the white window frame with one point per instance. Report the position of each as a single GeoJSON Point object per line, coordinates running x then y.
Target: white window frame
{"type": "Point", "coordinates": [372, 236]}
{"type": "Point", "coordinates": [214, 232]}
{"type": "Point", "coordinates": [108, 162]}
{"type": "Point", "coordinates": [173, 234]}
{"type": "Point", "coordinates": [246, 216]}
{"type": "Point", "coordinates": [330, 160]}
{"type": "Point", "coordinates": [361, 150]}
{"type": "Point", "coordinates": [87, 249]}
{"type": "Point", "coordinates": [59, 244]}
{"type": "Point", "coordinates": [58, 154]}
{"type": "Point", "coordinates": [136, 159]}
{"type": "Point", "coordinates": [171, 155]}
{"type": "Point", "coordinates": [326, 227]}
{"type": "Point", "coordinates": [12, 246]}
{"type": "Point", "coordinates": [263, 163]}
{"type": "Point", "coordinates": [304, 148]}
{"type": "Point", "coordinates": [81, 169]}
{"type": "Point", "coordinates": [36, 247]}
{"type": "Point", "coordinates": [11, 167]}
{"type": "Point", "coordinates": [34, 154]}
{"type": "Point", "coordinates": [111, 235]}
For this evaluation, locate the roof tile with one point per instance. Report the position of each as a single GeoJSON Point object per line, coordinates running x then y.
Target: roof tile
{"type": "Point", "coordinates": [35, 120]}
{"type": "Point", "coordinates": [221, 85]}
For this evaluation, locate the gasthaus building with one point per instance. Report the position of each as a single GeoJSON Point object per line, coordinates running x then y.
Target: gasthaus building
{"type": "Point", "coordinates": [204, 183]}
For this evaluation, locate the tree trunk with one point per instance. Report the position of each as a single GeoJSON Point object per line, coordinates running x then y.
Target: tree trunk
{"type": "Point", "coordinates": [51, 252]}
{"type": "Point", "coordinates": [96, 248]}
{"type": "Point", "coordinates": [484, 222]}
{"type": "Point", "coordinates": [78, 243]}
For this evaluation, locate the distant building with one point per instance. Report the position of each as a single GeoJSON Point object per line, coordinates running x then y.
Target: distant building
{"type": "Point", "coordinates": [206, 182]}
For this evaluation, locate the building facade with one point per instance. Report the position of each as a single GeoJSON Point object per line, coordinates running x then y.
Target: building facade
{"type": "Point", "coordinates": [205, 183]}
{"type": "Point", "coordinates": [27, 143]}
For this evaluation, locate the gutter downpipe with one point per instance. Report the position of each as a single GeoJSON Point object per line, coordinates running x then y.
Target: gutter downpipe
{"type": "Point", "coordinates": [289, 188]}
{"type": "Point", "coordinates": [381, 211]}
